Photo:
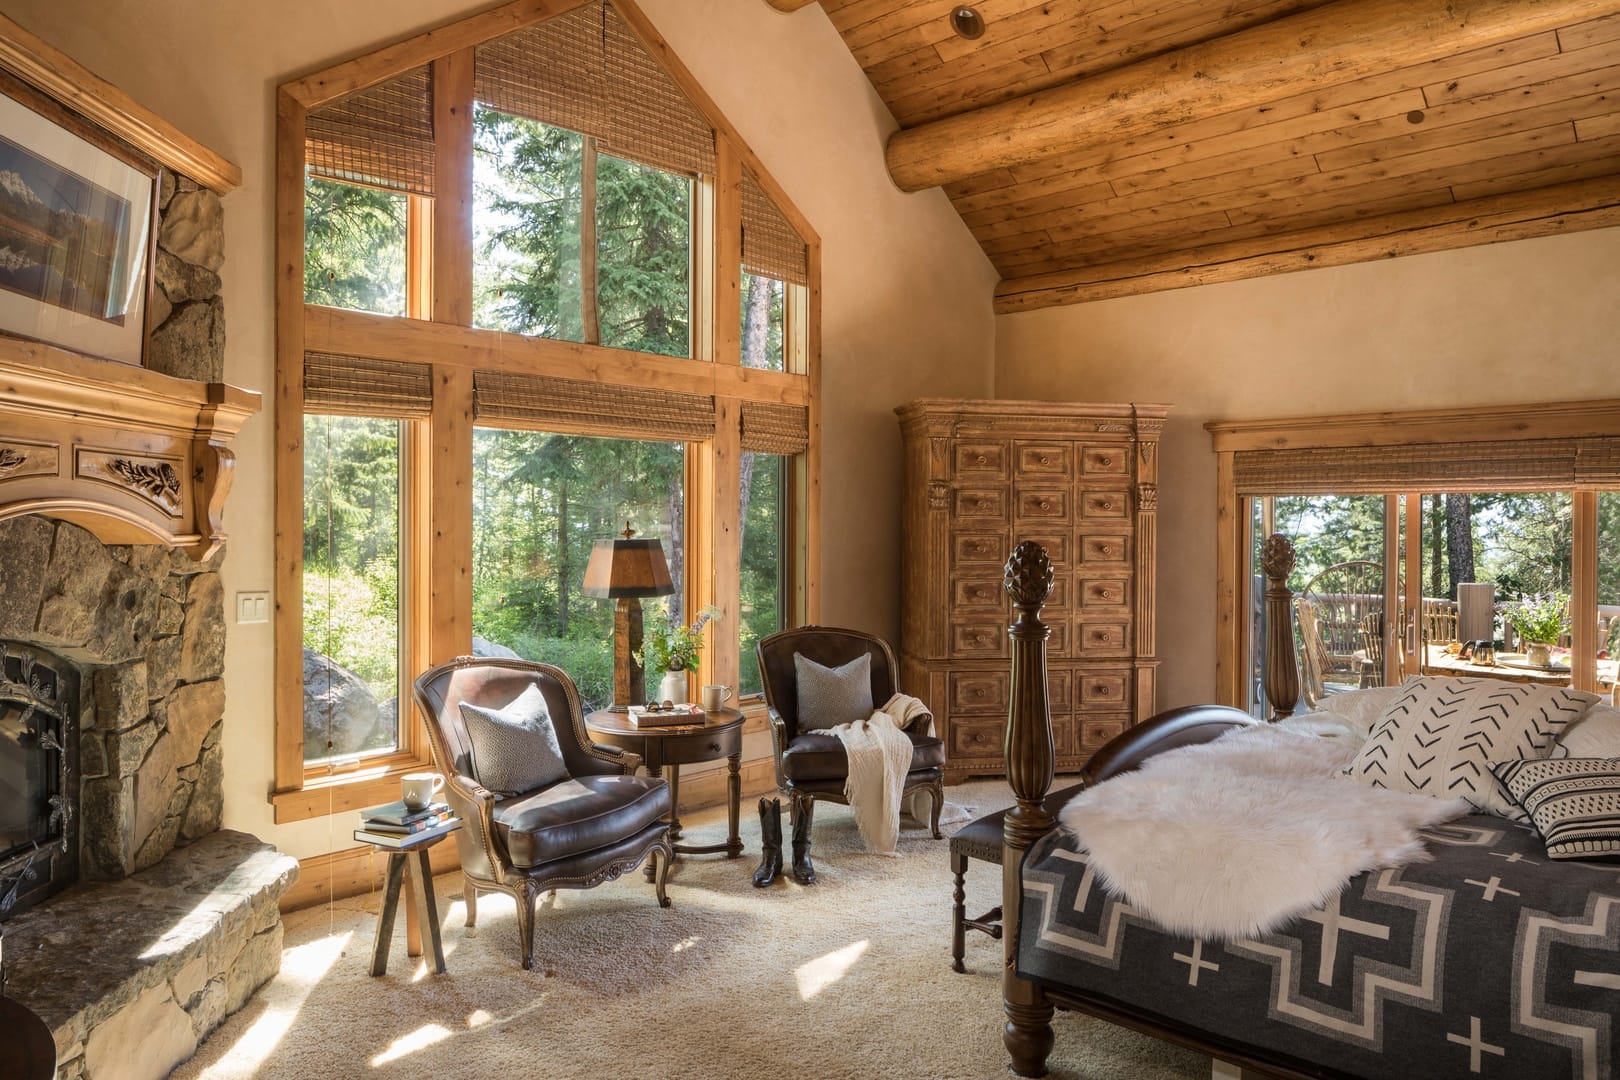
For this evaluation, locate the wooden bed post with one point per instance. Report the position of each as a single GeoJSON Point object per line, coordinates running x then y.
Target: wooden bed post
{"type": "Point", "coordinates": [1282, 670]}
{"type": "Point", "coordinates": [1029, 755]}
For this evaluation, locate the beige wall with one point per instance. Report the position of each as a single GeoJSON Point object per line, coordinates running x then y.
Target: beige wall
{"type": "Point", "coordinates": [1535, 320]}
{"type": "Point", "coordinates": [907, 293]}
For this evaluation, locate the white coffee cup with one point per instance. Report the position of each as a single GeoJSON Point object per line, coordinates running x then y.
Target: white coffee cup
{"type": "Point", "coordinates": [418, 789]}
{"type": "Point", "coordinates": [714, 697]}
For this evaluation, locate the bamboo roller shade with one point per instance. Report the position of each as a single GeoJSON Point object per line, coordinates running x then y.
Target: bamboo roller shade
{"type": "Point", "coordinates": [588, 72]}
{"type": "Point", "coordinates": [381, 137]}
{"type": "Point", "coordinates": [1462, 468]}
{"type": "Point", "coordinates": [573, 407]}
{"type": "Point", "coordinates": [361, 386]}
{"type": "Point", "coordinates": [775, 429]}
{"type": "Point", "coordinates": [770, 245]}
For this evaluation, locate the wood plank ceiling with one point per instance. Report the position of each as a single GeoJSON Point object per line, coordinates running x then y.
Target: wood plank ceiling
{"type": "Point", "coordinates": [1364, 157]}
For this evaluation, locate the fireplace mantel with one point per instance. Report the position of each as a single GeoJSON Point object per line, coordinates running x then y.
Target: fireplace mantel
{"type": "Point", "coordinates": [134, 456]}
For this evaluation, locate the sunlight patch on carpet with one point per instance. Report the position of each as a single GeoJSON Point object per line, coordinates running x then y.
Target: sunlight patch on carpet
{"type": "Point", "coordinates": [823, 971]}
{"type": "Point", "coordinates": [302, 969]}
{"type": "Point", "coordinates": [420, 1039]}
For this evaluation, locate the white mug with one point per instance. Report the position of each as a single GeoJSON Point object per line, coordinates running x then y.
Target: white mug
{"type": "Point", "coordinates": [714, 697]}
{"type": "Point", "coordinates": [418, 789]}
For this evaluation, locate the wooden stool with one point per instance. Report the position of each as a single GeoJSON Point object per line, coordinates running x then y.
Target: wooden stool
{"type": "Point", "coordinates": [413, 861]}
{"type": "Point", "coordinates": [982, 840]}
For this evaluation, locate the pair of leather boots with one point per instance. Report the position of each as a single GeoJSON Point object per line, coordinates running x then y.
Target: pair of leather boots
{"type": "Point", "coordinates": [770, 859]}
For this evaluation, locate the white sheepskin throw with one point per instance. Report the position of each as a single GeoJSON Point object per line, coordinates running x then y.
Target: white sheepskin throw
{"type": "Point", "coordinates": [1231, 839]}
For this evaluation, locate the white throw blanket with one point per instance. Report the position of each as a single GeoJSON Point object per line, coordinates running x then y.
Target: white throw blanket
{"type": "Point", "coordinates": [1235, 837]}
{"type": "Point", "coordinates": [879, 755]}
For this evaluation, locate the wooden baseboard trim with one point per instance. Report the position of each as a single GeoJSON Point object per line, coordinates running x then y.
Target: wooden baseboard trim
{"type": "Point", "coordinates": [358, 870]}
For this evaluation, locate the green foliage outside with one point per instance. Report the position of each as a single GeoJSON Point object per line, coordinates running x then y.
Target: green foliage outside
{"type": "Point", "coordinates": [527, 216]}
{"type": "Point", "coordinates": [354, 247]}
{"type": "Point", "coordinates": [1541, 619]}
{"type": "Point", "coordinates": [540, 502]}
{"type": "Point", "coordinates": [762, 601]}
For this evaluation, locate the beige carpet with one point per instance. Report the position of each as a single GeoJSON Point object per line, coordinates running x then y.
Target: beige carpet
{"type": "Point", "coordinates": [847, 979]}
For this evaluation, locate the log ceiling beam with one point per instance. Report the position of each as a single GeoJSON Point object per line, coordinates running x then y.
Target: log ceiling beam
{"type": "Point", "coordinates": [1546, 211]}
{"type": "Point", "coordinates": [1333, 44]}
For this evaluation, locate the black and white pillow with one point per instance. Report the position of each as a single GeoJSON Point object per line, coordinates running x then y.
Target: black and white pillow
{"type": "Point", "coordinates": [1574, 803]}
{"type": "Point", "coordinates": [832, 696]}
{"type": "Point", "coordinates": [514, 749]}
{"type": "Point", "coordinates": [1441, 736]}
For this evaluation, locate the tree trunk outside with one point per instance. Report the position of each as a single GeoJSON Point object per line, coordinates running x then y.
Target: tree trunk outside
{"type": "Point", "coordinates": [562, 559]}
{"type": "Point", "coordinates": [677, 552]}
{"type": "Point", "coordinates": [1459, 541]}
{"type": "Point", "coordinates": [747, 489]}
{"type": "Point", "coordinates": [1436, 545]}
{"type": "Point", "coordinates": [756, 324]}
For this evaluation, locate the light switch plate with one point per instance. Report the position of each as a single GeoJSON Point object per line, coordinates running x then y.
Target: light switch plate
{"type": "Point", "coordinates": [252, 607]}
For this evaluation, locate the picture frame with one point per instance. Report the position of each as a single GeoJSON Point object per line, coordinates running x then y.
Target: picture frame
{"type": "Point", "coordinates": [78, 230]}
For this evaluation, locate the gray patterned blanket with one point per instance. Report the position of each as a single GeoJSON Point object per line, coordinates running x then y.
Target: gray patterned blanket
{"type": "Point", "coordinates": [1489, 961]}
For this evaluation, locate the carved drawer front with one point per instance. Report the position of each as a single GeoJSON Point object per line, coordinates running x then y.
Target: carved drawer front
{"type": "Point", "coordinates": [1095, 733]}
{"type": "Point", "coordinates": [1058, 684]}
{"type": "Point", "coordinates": [1043, 504]}
{"type": "Point", "coordinates": [1057, 642]}
{"type": "Point", "coordinates": [1043, 458]}
{"type": "Point", "coordinates": [981, 591]}
{"type": "Point", "coordinates": [978, 691]}
{"type": "Point", "coordinates": [977, 740]}
{"type": "Point", "coordinates": [1065, 742]}
{"type": "Point", "coordinates": [1057, 546]}
{"type": "Point", "coordinates": [1105, 549]}
{"type": "Point", "coordinates": [981, 504]}
{"type": "Point", "coordinates": [980, 637]}
{"type": "Point", "coordinates": [979, 547]}
{"type": "Point", "coordinates": [1104, 460]}
{"type": "Point", "coordinates": [981, 459]}
{"type": "Point", "coordinates": [1101, 592]}
{"type": "Point", "coordinates": [1102, 691]}
{"type": "Point", "coordinates": [1102, 638]}
{"type": "Point", "coordinates": [1104, 505]}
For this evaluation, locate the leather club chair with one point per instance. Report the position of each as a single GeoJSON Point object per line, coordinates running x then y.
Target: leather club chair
{"type": "Point", "coordinates": [812, 765]}
{"type": "Point", "coordinates": [599, 823]}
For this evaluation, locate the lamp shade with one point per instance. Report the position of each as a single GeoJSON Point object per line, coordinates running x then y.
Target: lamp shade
{"type": "Point", "coordinates": [632, 567]}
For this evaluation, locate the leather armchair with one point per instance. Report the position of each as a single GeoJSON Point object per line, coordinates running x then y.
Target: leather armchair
{"type": "Point", "coordinates": [812, 765]}
{"type": "Point", "coordinates": [600, 822]}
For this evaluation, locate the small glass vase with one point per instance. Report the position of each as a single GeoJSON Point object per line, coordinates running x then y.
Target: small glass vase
{"type": "Point", "coordinates": [672, 687]}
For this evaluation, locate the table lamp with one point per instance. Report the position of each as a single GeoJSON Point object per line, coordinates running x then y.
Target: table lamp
{"type": "Point", "coordinates": [626, 569]}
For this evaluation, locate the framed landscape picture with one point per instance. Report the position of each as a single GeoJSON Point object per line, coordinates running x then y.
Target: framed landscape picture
{"type": "Point", "coordinates": [76, 235]}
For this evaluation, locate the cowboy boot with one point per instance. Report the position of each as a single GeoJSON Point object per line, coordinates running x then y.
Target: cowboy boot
{"type": "Point", "coordinates": [804, 871]}
{"type": "Point", "coordinates": [770, 839]}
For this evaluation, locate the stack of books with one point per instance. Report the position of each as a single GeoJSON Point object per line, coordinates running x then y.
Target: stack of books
{"type": "Point", "coordinates": [392, 825]}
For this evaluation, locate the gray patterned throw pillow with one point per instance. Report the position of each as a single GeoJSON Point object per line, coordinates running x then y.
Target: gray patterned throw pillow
{"type": "Point", "coordinates": [1574, 803]}
{"type": "Point", "coordinates": [1441, 736]}
{"type": "Point", "coordinates": [514, 749]}
{"type": "Point", "coordinates": [832, 696]}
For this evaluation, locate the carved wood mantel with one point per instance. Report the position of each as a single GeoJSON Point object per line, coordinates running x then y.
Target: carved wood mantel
{"type": "Point", "coordinates": [132, 455]}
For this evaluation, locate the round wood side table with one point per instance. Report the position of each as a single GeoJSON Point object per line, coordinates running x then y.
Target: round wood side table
{"type": "Point", "coordinates": [27, 1047]}
{"type": "Point", "coordinates": [661, 748]}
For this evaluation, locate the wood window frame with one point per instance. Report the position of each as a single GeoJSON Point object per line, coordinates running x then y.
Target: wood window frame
{"type": "Point", "coordinates": [1521, 423]}
{"type": "Point", "coordinates": [438, 331]}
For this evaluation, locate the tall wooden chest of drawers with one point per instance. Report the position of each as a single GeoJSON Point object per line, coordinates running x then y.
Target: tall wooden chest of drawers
{"type": "Point", "coordinates": [1082, 480]}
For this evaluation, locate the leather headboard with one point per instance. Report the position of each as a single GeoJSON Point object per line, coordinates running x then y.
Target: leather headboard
{"type": "Point", "coordinates": [830, 647]}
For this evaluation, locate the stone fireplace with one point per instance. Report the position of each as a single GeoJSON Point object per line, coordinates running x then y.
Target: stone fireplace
{"type": "Point", "coordinates": [132, 923]}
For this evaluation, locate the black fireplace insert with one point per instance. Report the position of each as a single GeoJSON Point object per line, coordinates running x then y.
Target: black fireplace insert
{"type": "Point", "coordinates": [39, 781]}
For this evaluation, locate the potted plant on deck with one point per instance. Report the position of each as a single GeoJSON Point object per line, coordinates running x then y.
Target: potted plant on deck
{"type": "Point", "coordinates": [673, 648]}
{"type": "Point", "coordinates": [1540, 621]}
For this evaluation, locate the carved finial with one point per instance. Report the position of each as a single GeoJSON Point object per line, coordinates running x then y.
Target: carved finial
{"type": "Point", "coordinates": [1277, 557]}
{"type": "Point", "coordinates": [1029, 575]}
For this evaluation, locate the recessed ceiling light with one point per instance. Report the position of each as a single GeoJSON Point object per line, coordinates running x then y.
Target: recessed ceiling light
{"type": "Point", "coordinates": [967, 23]}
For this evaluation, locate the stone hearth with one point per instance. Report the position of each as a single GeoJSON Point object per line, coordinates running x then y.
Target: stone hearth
{"type": "Point", "coordinates": [132, 975]}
